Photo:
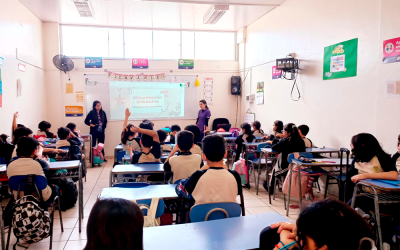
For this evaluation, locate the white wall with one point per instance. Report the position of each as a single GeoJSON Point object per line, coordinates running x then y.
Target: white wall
{"type": "Point", "coordinates": [19, 28]}
{"type": "Point", "coordinates": [335, 110]}
{"type": "Point", "coordinates": [224, 104]}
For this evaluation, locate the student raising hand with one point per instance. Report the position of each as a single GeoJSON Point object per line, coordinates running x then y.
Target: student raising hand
{"type": "Point", "coordinates": [127, 112]}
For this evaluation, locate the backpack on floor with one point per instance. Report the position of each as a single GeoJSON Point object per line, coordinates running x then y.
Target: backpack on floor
{"type": "Point", "coordinates": [68, 193]}
{"type": "Point", "coordinates": [30, 222]}
{"type": "Point", "coordinates": [241, 168]}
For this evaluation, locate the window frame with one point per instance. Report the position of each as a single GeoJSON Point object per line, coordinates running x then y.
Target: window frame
{"type": "Point", "coordinates": [234, 53]}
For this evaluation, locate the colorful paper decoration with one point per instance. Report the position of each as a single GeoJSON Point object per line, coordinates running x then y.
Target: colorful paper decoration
{"type": "Point", "coordinates": [197, 83]}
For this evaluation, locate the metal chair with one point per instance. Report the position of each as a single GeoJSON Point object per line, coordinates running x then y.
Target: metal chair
{"type": "Point", "coordinates": [17, 183]}
{"type": "Point", "coordinates": [214, 211]}
{"type": "Point", "coordinates": [260, 161]}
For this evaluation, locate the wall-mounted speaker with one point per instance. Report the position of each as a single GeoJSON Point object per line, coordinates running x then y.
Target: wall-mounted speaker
{"type": "Point", "coordinates": [236, 84]}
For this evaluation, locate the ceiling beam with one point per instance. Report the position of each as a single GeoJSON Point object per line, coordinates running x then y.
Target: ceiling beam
{"type": "Point", "coordinates": [212, 3]}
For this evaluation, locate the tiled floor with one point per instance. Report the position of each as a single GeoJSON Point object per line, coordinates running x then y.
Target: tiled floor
{"type": "Point", "coordinates": [98, 178]}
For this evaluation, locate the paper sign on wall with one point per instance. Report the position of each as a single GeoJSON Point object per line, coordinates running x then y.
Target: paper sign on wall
{"type": "Point", "coordinates": [260, 93]}
{"type": "Point", "coordinates": [79, 96]}
{"type": "Point", "coordinates": [340, 60]}
{"type": "Point", "coordinates": [21, 67]}
{"type": "Point", "coordinates": [208, 90]}
{"type": "Point", "coordinates": [393, 88]}
{"type": "Point", "coordinates": [391, 50]}
{"type": "Point", "coordinates": [93, 62]}
{"type": "Point", "coordinates": [69, 88]}
{"type": "Point", "coordinates": [138, 63]}
{"type": "Point", "coordinates": [249, 118]}
{"type": "Point", "coordinates": [73, 111]}
{"type": "Point", "coordinates": [276, 74]}
{"type": "Point", "coordinates": [185, 64]}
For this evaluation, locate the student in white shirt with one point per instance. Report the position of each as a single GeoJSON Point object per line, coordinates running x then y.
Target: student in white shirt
{"type": "Point", "coordinates": [303, 131]}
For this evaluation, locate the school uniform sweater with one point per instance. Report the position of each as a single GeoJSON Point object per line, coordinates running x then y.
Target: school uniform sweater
{"type": "Point", "coordinates": [68, 143]}
{"type": "Point", "coordinates": [308, 143]}
{"type": "Point", "coordinates": [152, 156]}
{"type": "Point", "coordinates": [196, 150]}
{"type": "Point", "coordinates": [214, 185]}
{"type": "Point", "coordinates": [183, 165]}
{"type": "Point", "coordinates": [134, 144]}
{"type": "Point", "coordinates": [166, 147]}
{"type": "Point", "coordinates": [257, 133]}
{"type": "Point", "coordinates": [45, 133]}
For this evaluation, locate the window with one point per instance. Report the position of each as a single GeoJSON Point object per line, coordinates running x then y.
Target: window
{"type": "Point", "coordinates": [215, 46]}
{"type": "Point", "coordinates": [79, 41]}
{"type": "Point", "coordinates": [166, 44]}
{"type": "Point", "coordinates": [138, 43]}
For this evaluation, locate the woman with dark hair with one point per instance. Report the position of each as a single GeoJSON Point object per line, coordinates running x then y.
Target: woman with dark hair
{"type": "Point", "coordinates": [97, 120]}
{"type": "Point", "coordinates": [327, 225]}
{"type": "Point", "coordinates": [246, 136]}
{"type": "Point", "coordinates": [115, 224]}
{"type": "Point", "coordinates": [203, 118]}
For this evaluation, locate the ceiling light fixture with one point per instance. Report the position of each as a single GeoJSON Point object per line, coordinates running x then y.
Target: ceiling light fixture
{"type": "Point", "coordinates": [83, 8]}
{"type": "Point", "coordinates": [215, 13]}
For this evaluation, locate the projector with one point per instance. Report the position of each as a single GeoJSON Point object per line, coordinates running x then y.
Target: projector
{"type": "Point", "coordinates": [287, 64]}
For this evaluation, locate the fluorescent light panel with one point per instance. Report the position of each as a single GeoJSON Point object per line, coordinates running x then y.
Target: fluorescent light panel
{"type": "Point", "coordinates": [215, 13]}
{"type": "Point", "coordinates": [83, 8]}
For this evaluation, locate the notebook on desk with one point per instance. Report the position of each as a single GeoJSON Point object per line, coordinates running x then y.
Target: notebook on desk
{"type": "Point", "coordinates": [394, 183]}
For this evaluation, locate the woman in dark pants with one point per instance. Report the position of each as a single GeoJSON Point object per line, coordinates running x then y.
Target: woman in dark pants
{"type": "Point", "coordinates": [97, 120]}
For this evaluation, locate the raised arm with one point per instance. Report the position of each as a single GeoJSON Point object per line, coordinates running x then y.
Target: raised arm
{"type": "Point", "coordinates": [14, 124]}
{"type": "Point", "coordinates": [151, 133]}
{"type": "Point", "coordinates": [127, 114]}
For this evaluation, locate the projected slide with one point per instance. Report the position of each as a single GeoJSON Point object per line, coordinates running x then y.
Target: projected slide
{"type": "Point", "coordinates": [147, 99]}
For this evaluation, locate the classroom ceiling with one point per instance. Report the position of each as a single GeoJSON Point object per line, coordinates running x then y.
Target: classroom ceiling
{"type": "Point", "coordinates": [160, 14]}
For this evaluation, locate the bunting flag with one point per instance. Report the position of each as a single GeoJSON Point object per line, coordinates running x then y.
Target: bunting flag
{"type": "Point", "coordinates": [145, 77]}
{"type": "Point", "coordinates": [109, 73]}
{"type": "Point", "coordinates": [138, 77]}
{"type": "Point", "coordinates": [131, 77]}
{"type": "Point", "coordinates": [151, 77]}
{"type": "Point", "coordinates": [126, 77]}
{"type": "Point", "coordinates": [158, 77]}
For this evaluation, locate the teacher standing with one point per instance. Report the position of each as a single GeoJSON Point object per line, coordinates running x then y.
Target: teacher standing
{"type": "Point", "coordinates": [97, 120]}
{"type": "Point", "coordinates": [203, 118]}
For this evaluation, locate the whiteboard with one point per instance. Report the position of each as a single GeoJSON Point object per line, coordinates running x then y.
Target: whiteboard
{"type": "Point", "coordinates": [97, 87]}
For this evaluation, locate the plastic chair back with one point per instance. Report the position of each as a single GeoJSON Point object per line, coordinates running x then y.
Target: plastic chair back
{"type": "Point", "coordinates": [160, 207]}
{"type": "Point", "coordinates": [14, 181]}
{"type": "Point", "coordinates": [291, 156]}
{"type": "Point", "coordinates": [131, 185]}
{"type": "Point", "coordinates": [263, 145]}
{"type": "Point", "coordinates": [120, 155]}
{"type": "Point", "coordinates": [214, 211]}
{"type": "Point", "coordinates": [219, 121]}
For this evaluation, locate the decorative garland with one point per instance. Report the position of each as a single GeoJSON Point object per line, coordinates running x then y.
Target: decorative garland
{"type": "Point", "coordinates": [138, 77]}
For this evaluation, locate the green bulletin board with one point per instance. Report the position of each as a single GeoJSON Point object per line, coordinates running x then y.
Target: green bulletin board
{"type": "Point", "coordinates": [340, 60]}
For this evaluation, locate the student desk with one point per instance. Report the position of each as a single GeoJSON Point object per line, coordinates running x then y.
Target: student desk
{"type": "Point", "coordinates": [382, 193]}
{"type": "Point", "coordinates": [165, 191]}
{"type": "Point", "coordinates": [224, 234]}
{"type": "Point", "coordinates": [71, 165]}
{"type": "Point", "coordinates": [332, 162]}
{"type": "Point", "coordinates": [224, 134]}
{"type": "Point", "coordinates": [148, 168]}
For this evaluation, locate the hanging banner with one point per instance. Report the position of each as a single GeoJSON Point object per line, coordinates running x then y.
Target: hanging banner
{"type": "Point", "coordinates": [93, 62]}
{"type": "Point", "coordinates": [185, 64]}
{"type": "Point", "coordinates": [73, 111]}
{"type": "Point", "coordinates": [208, 90]}
{"type": "Point", "coordinates": [276, 74]}
{"type": "Point", "coordinates": [391, 50]}
{"type": "Point", "coordinates": [340, 60]}
{"type": "Point", "coordinates": [138, 63]}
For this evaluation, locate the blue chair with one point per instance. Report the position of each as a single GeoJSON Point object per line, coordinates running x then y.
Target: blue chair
{"type": "Point", "coordinates": [2, 160]}
{"type": "Point", "coordinates": [131, 185]}
{"type": "Point", "coordinates": [18, 182]}
{"type": "Point", "coordinates": [214, 211]}
{"type": "Point", "coordinates": [147, 203]}
{"type": "Point", "coordinates": [259, 161]}
{"type": "Point", "coordinates": [120, 156]}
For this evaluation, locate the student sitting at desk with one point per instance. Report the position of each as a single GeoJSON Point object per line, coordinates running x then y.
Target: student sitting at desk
{"type": "Point", "coordinates": [276, 134]}
{"type": "Point", "coordinates": [128, 137]}
{"type": "Point", "coordinates": [197, 133]}
{"type": "Point", "coordinates": [396, 156]}
{"type": "Point", "coordinates": [151, 150]}
{"type": "Point", "coordinates": [26, 164]}
{"type": "Point", "coordinates": [303, 131]}
{"type": "Point", "coordinates": [67, 138]}
{"type": "Point", "coordinates": [185, 163]}
{"type": "Point", "coordinates": [246, 136]}
{"type": "Point", "coordinates": [44, 129]}
{"type": "Point", "coordinates": [72, 126]}
{"type": "Point", "coordinates": [162, 135]}
{"type": "Point", "coordinates": [257, 131]}
{"type": "Point", "coordinates": [115, 224]}
{"type": "Point", "coordinates": [174, 129]}
{"type": "Point", "coordinates": [216, 184]}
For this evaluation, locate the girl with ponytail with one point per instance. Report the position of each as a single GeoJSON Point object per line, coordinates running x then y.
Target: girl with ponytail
{"type": "Point", "coordinates": [246, 136]}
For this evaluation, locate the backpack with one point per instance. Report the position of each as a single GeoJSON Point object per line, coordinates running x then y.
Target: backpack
{"type": "Point", "coordinates": [30, 222]}
{"type": "Point", "coordinates": [241, 168]}
{"type": "Point", "coordinates": [181, 191]}
{"type": "Point", "coordinates": [68, 193]}
{"type": "Point", "coordinates": [234, 132]}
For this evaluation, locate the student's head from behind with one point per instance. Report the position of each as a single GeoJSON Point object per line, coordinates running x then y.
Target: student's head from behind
{"type": "Point", "coordinates": [331, 225]}
{"type": "Point", "coordinates": [256, 125]}
{"type": "Point", "coordinates": [146, 141]}
{"type": "Point", "coordinates": [27, 146]}
{"type": "Point", "coordinates": [3, 138]}
{"type": "Point", "coordinates": [174, 129]}
{"type": "Point", "coordinates": [303, 130]}
{"type": "Point", "coordinates": [97, 106]}
{"type": "Point", "coordinates": [278, 126]}
{"type": "Point", "coordinates": [20, 132]}
{"type": "Point", "coordinates": [71, 126]}
{"type": "Point", "coordinates": [127, 133]}
{"type": "Point", "coordinates": [185, 140]}
{"type": "Point", "coordinates": [44, 126]}
{"type": "Point", "coordinates": [63, 133]}
{"type": "Point", "coordinates": [115, 224]}
{"type": "Point", "coordinates": [214, 148]}
{"type": "Point", "coordinates": [246, 128]}
{"type": "Point", "coordinates": [146, 124]}
{"type": "Point", "coordinates": [291, 132]}
{"type": "Point", "coordinates": [162, 135]}
{"type": "Point", "coordinates": [195, 130]}
{"type": "Point", "coordinates": [364, 147]}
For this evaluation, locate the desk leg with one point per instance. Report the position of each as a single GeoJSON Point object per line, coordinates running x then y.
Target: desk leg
{"type": "Point", "coordinates": [3, 236]}
{"type": "Point", "coordinates": [378, 218]}
{"type": "Point", "coordinates": [290, 187]}
{"type": "Point", "coordinates": [80, 199]}
{"type": "Point", "coordinates": [267, 176]}
{"type": "Point", "coordinates": [300, 196]}
{"type": "Point", "coordinates": [258, 176]}
{"type": "Point", "coordinates": [341, 189]}
{"type": "Point", "coordinates": [111, 178]}
{"type": "Point", "coordinates": [242, 204]}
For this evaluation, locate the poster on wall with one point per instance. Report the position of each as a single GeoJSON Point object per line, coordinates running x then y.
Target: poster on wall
{"type": "Point", "coordinates": [393, 88]}
{"type": "Point", "coordinates": [249, 118]}
{"type": "Point", "coordinates": [73, 111]}
{"type": "Point", "coordinates": [391, 50]}
{"type": "Point", "coordinates": [260, 93]}
{"type": "Point", "coordinates": [138, 63]}
{"type": "Point", "coordinates": [208, 90]}
{"type": "Point", "coordinates": [340, 60]}
{"type": "Point", "coordinates": [93, 62]}
{"type": "Point", "coordinates": [1, 91]}
{"type": "Point", "coordinates": [276, 74]}
{"type": "Point", "coordinates": [185, 64]}
{"type": "Point", "coordinates": [79, 96]}
{"type": "Point", "coordinates": [69, 88]}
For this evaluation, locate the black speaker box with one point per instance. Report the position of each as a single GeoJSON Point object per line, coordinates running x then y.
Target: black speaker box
{"type": "Point", "coordinates": [236, 84]}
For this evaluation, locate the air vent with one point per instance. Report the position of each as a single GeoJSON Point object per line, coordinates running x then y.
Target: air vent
{"type": "Point", "coordinates": [215, 13]}
{"type": "Point", "coordinates": [83, 8]}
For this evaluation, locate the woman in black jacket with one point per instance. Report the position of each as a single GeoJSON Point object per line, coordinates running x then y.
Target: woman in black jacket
{"type": "Point", "coordinates": [97, 120]}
